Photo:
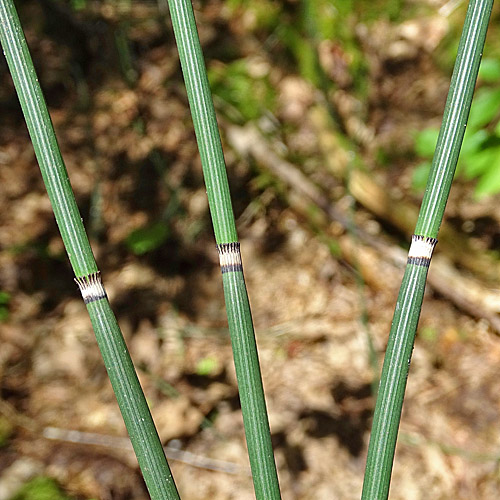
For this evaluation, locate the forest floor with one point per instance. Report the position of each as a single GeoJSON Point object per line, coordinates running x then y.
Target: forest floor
{"type": "Point", "coordinates": [318, 292]}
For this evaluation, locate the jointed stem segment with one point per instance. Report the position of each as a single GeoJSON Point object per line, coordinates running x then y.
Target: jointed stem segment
{"type": "Point", "coordinates": [401, 338]}
{"type": "Point", "coordinates": [238, 309]}
{"type": "Point", "coordinates": [130, 397]}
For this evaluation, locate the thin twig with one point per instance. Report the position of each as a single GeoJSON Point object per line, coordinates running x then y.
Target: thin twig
{"type": "Point", "coordinates": [123, 443]}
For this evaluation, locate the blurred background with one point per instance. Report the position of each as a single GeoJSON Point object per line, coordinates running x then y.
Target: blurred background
{"type": "Point", "coordinates": [329, 114]}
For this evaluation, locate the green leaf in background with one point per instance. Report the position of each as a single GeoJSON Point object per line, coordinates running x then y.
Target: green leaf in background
{"type": "Point", "coordinates": [4, 305]}
{"type": "Point", "coordinates": [41, 488]}
{"type": "Point", "coordinates": [473, 143]}
{"type": "Point", "coordinates": [206, 366]}
{"type": "Point", "coordinates": [78, 4]}
{"type": "Point", "coordinates": [420, 176]}
{"type": "Point", "coordinates": [480, 163]}
{"type": "Point", "coordinates": [321, 17]}
{"type": "Point", "coordinates": [481, 146]}
{"type": "Point", "coordinates": [303, 51]}
{"type": "Point", "coordinates": [148, 238]}
{"type": "Point", "coordinates": [259, 14]}
{"type": "Point", "coordinates": [486, 106]}
{"type": "Point", "coordinates": [428, 333]}
{"type": "Point", "coordinates": [425, 142]}
{"type": "Point", "coordinates": [244, 86]}
{"type": "Point", "coordinates": [489, 71]}
{"type": "Point", "coordinates": [489, 183]}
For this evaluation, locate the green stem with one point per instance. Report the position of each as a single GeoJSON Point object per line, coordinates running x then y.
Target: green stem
{"type": "Point", "coordinates": [205, 122]}
{"type": "Point", "coordinates": [455, 117]}
{"type": "Point", "coordinates": [241, 329]}
{"type": "Point", "coordinates": [393, 383]}
{"type": "Point", "coordinates": [250, 386]}
{"type": "Point", "coordinates": [402, 336]}
{"type": "Point", "coordinates": [130, 397]}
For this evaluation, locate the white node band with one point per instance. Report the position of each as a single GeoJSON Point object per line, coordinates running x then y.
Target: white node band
{"type": "Point", "coordinates": [421, 250]}
{"type": "Point", "coordinates": [91, 287]}
{"type": "Point", "coordinates": [230, 257]}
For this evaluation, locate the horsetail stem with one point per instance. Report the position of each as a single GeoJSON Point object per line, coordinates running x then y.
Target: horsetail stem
{"type": "Point", "coordinates": [126, 386]}
{"type": "Point", "coordinates": [241, 329]}
{"type": "Point", "coordinates": [402, 335]}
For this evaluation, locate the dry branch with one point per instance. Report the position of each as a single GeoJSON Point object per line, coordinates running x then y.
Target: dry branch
{"type": "Point", "coordinates": [401, 214]}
